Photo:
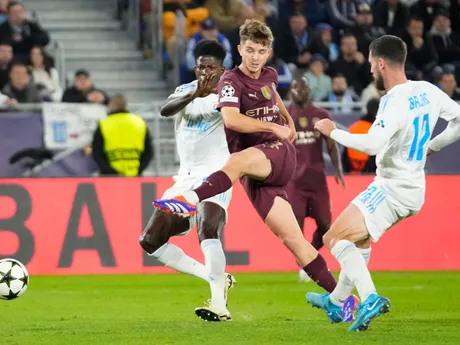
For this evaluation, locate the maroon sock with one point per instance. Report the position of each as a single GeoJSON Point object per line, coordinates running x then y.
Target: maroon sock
{"type": "Point", "coordinates": [216, 183]}
{"type": "Point", "coordinates": [317, 241]}
{"type": "Point", "coordinates": [318, 271]}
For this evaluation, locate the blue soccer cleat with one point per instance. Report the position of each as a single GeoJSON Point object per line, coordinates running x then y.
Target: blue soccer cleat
{"type": "Point", "coordinates": [177, 205]}
{"type": "Point", "coordinates": [322, 301]}
{"type": "Point", "coordinates": [372, 307]}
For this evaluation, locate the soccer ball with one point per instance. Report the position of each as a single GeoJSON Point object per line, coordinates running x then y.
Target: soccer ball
{"type": "Point", "coordinates": [14, 279]}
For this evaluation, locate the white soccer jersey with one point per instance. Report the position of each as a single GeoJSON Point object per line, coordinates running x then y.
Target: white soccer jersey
{"type": "Point", "coordinates": [400, 136]}
{"type": "Point", "coordinates": [200, 134]}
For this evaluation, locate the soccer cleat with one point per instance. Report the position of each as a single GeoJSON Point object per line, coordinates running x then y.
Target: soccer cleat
{"type": "Point", "coordinates": [177, 205]}
{"type": "Point", "coordinates": [303, 277]}
{"type": "Point", "coordinates": [371, 308]}
{"type": "Point", "coordinates": [322, 301]}
{"type": "Point", "coordinates": [213, 314]}
{"type": "Point", "coordinates": [349, 307]}
{"type": "Point", "coordinates": [231, 281]}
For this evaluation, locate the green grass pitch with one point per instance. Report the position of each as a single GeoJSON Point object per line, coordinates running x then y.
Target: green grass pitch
{"type": "Point", "coordinates": [267, 309]}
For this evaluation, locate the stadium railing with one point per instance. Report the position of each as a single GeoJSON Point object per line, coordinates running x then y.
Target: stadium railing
{"type": "Point", "coordinates": [162, 131]}
{"type": "Point", "coordinates": [157, 32]}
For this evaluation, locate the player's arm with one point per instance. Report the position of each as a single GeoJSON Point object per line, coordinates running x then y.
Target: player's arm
{"type": "Point", "coordinates": [333, 150]}
{"type": "Point", "coordinates": [283, 111]}
{"type": "Point", "coordinates": [176, 102]}
{"type": "Point", "coordinates": [385, 126]}
{"type": "Point", "coordinates": [240, 123]}
{"type": "Point", "coordinates": [450, 111]}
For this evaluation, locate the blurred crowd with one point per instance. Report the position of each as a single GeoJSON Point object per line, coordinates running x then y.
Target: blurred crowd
{"type": "Point", "coordinates": [325, 41]}
{"type": "Point", "coordinates": [27, 70]}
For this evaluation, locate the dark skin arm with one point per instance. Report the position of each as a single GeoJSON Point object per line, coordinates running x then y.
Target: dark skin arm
{"type": "Point", "coordinates": [333, 151]}
{"type": "Point", "coordinates": [174, 105]}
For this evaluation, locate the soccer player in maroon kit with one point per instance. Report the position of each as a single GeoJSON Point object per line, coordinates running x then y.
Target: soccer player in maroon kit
{"type": "Point", "coordinates": [259, 132]}
{"type": "Point", "coordinates": [308, 192]}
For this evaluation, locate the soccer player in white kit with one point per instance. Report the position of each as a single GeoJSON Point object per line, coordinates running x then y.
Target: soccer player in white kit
{"type": "Point", "coordinates": [202, 149]}
{"type": "Point", "coordinates": [400, 136]}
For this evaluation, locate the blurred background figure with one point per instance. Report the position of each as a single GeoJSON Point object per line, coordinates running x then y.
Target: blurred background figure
{"type": "Point", "coordinates": [122, 144]}
{"type": "Point", "coordinates": [45, 76]}
{"type": "Point", "coordinates": [84, 91]}
{"type": "Point", "coordinates": [21, 88]}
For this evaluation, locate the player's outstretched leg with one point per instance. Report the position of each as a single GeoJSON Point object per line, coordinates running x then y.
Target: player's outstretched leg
{"type": "Point", "coordinates": [220, 181]}
{"type": "Point", "coordinates": [350, 228]}
{"type": "Point", "coordinates": [154, 240]}
{"type": "Point", "coordinates": [282, 222]}
{"type": "Point", "coordinates": [211, 221]}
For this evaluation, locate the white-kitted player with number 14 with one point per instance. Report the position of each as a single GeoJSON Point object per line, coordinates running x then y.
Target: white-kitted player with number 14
{"type": "Point", "coordinates": [400, 137]}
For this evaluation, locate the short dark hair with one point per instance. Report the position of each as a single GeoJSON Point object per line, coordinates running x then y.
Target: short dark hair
{"type": "Point", "coordinates": [210, 48]}
{"type": "Point", "coordinates": [338, 75]}
{"type": "Point", "coordinates": [14, 3]}
{"type": "Point", "coordinates": [390, 48]}
{"type": "Point", "coordinates": [446, 73]}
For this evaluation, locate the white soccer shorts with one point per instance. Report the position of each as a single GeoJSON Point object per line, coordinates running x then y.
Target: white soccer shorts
{"type": "Point", "coordinates": [380, 214]}
{"type": "Point", "coordinates": [184, 183]}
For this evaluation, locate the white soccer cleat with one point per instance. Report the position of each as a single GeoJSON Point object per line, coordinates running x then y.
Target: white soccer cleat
{"type": "Point", "coordinates": [213, 314]}
{"type": "Point", "coordinates": [231, 281]}
{"type": "Point", "coordinates": [303, 277]}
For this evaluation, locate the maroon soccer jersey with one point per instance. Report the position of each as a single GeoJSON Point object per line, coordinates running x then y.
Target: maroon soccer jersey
{"type": "Point", "coordinates": [255, 98]}
{"type": "Point", "coordinates": [310, 173]}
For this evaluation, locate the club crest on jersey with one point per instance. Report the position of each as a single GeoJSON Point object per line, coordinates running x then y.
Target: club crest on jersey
{"type": "Point", "coordinates": [303, 121]}
{"type": "Point", "coordinates": [266, 92]}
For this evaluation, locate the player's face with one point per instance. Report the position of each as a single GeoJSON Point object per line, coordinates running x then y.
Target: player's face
{"type": "Point", "coordinates": [299, 91]}
{"type": "Point", "coordinates": [254, 55]}
{"type": "Point", "coordinates": [377, 65]}
{"type": "Point", "coordinates": [206, 65]}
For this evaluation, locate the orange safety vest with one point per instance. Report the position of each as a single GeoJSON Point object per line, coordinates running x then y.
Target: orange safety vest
{"type": "Point", "coordinates": [358, 160]}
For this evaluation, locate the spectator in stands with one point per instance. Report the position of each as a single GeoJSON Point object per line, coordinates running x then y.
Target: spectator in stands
{"type": "Point", "coordinates": [426, 10]}
{"type": "Point", "coordinates": [284, 74]}
{"type": "Point", "coordinates": [6, 56]}
{"type": "Point", "coordinates": [421, 53]}
{"type": "Point", "coordinates": [342, 13]}
{"type": "Point", "coordinates": [313, 10]}
{"type": "Point", "coordinates": [355, 161]}
{"type": "Point", "coordinates": [319, 83]}
{"type": "Point", "coordinates": [45, 76]}
{"type": "Point", "coordinates": [3, 11]}
{"type": "Point", "coordinates": [391, 15]}
{"type": "Point", "coordinates": [146, 27]}
{"type": "Point", "coordinates": [194, 15]}
{"type": "Point", "coordinates": [20, 87]}
{"type": "Point", "coordinates": [446, 42]}
{"type": "Point", "coordinates": [324, 44]}
{"type": "Point", "coordinates": [293, 43]}
{"type": "Point", "coordinates": [264, 12]}
{"type": "Point", "coordinates": [208, 31]}
{"type": "Point", "coordinates": [229, 16]}
{"type": "Point", "coordinates": [370, 92]}
{"type": "Point", "coordinates": [23, 33]}
{"type": "Point", "coordinates": [365, 31]}
{"type": "Point", "coordinates": [122, 144]}
{"type": "Point", "coordinates": [341, 94]}
{"type": "Point", "coordinates": [448, 84]}
{"type": "Point", "coordinates": [352, 64]}
{"type": "Point", "coordinates": [83, 90]}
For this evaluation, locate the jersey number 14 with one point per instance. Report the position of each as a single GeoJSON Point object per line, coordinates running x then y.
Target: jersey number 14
{"type": "Point", "coordinates": [422, 134]}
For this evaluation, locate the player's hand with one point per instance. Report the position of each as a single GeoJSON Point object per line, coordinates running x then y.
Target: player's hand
{"type": "Point", "coordinates": [284, 133]}
{"type": "Point", "coordinates": [293, 131]}
{"type": "Point", "coordinates": [325, 127]}
{"type": "Point", "coordinates": [205, 85]}
{"type": "Point", "coordinates": [339, 178]}
{"type": "Point", "coordinates": [430, 152]}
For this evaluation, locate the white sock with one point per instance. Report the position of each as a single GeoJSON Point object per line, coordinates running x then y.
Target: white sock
{"type": "Point", "coordinates": [344, 286]}
{"type": "Point", "coordinates": [191, 197]}
{"type": "Point", "coordinates": [214, 258]}
{"type": "Point", "coordinates": [354, 267]}
{"type": "Point", "coordinates": [174, 257]}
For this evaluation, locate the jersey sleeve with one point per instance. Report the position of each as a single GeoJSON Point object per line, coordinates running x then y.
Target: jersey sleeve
{"type": "Point", "coordinates": [229, 91]}
{"type": "Point", "coordinates": [386, 124]}
{"type": "Point", "coordinates": [273, 76]}
{"type": "Point", "coordinates": [183, 89]}
{"type": "Point", "coordinates": [449, 109]}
